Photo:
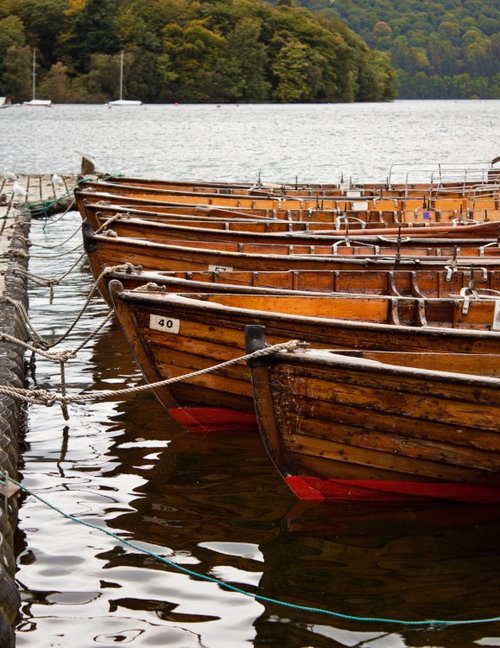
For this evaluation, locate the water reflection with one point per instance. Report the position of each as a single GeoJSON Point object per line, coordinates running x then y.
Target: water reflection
{"type": "Point", "coordinates": [214, 504]}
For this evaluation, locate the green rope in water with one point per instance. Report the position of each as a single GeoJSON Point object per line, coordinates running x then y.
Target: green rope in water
{"type": "Point", "coordinates": [258, 597]}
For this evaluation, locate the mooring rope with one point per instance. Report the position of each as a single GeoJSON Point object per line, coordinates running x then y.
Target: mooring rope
{"type": "Point", "coordinates": [48, 398]}
{"type": "Point", "coordinates": [58, 356]}
{"type": "Point", "coordinates": [124, 267]}
{"type": "Point", "coordinates": [29, 242]}
{"type": "Point", "coordinates": [44, 344]}
{"type": "Point", "coordinates": [63, 214]}
{"type": "Point", "coordinates": [432, 623]}
{"type": "Point", "coordinates": [56, 256]}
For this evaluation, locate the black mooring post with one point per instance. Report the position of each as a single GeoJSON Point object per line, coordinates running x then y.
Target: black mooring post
{"type": "Point", "coordinates": [255, 338]}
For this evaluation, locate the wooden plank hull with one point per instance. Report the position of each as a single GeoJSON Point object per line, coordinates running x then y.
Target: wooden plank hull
{"type": "Point", "coordinates": [435, 187]}
{"type": "Point", "coordinates": [339, 427]}
{"type": "Point", "coordinates": [366, 191]}
{"type": "Point", "coordinates": [399, 283]}
{"type": "Point", "coordinates": [172, 335]}
{"type": "Point", "coordinates": [99, 214]}
{"type": "Point", "coordinates": [106, 251]}
{"type": "Point", "coordinates": [85, 199]}
{"type": "Point", "coordinates": [397, 209]}
{"type": "Point", "coordinates": [320, 243]}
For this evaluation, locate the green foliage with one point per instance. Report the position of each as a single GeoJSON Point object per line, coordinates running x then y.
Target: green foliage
{"type": "Point", "coordinates": [191, 51]}
{"type": "Point", "coordinates": [17, 78]}
{"type": "Point", "coordinates": [440, 48]}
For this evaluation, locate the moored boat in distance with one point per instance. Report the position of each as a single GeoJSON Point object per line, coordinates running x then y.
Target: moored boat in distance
{"type": "Point", "coordinates": [34, 102]}
{"type": "Point", "coordinates": [379, 426]}
{"type": "Point", "coordinates": [121, 101]}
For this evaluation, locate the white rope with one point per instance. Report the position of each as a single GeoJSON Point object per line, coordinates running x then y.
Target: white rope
{"type": "Point", "coordinates": [56, 245]}
{"type": "Point", "coordinates": [48, 398]}
{"type": "Point", "coordinates": [56, 256]}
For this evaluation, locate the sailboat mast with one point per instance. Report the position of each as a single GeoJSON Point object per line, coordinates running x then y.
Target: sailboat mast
{"type": "Point", "coordinates": [121, 76]}
{"type": "Point", "coordinates": [34, 72]}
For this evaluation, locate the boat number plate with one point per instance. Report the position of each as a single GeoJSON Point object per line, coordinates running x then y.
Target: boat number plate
{"type": "Point", "coordinates": [219, 268]}
{"type": "Point", "coordinates": [161, 323]}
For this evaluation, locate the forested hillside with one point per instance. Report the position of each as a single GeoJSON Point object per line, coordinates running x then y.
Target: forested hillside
{"type": "Point", "coordinates": [186, 51]}
{"type": "Point", "coordinates": [440, 48]}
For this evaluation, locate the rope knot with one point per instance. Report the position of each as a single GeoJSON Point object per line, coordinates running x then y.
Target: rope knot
{"type": "Point", "coordinates": [65, 355]}
{"type": "Point", "coordinates": [43, 397]}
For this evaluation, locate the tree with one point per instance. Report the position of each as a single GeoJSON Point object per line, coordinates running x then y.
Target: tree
{"type": "Point", "coordinates": [91, 31]}
{"type": "Point", "coordinates": [197, 55]}
{"type": "Point", "coordinates": [376, 78]}
{"type": "Point", "coordinates": [11, 33]}
{"type": "Point", "coordinates": [56, 84]}
{"type": "Point", "coordinates": [42, 20]}
{"type": "Point", "coordinates": [290, 71]}
{"type": "Point", "coordinates": [244, 47]}
{"type": "Point", "coordinates": [17, 77]}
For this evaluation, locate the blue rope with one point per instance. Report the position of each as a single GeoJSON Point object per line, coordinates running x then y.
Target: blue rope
{"type": "Point", "coordinates": [303, 608]}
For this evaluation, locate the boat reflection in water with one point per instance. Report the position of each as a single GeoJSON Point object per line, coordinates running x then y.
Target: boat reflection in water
{"type": "Point", "coordinates": [215, 505]}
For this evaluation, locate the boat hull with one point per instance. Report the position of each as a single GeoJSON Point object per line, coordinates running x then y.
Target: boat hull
{"type": "Point", "coordinates": [173, 335]}
{"type": "Point", "coordinates": [339, 428]}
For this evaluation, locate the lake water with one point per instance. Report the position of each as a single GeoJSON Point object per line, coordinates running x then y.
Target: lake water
{"type": "Point", "coordinates": [212, 508]}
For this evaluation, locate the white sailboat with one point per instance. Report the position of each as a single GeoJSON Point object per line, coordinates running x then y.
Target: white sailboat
{"type": "Point", "coordinates": [36, 102]}
{"type": "Point", "coordinates": [121, 101]}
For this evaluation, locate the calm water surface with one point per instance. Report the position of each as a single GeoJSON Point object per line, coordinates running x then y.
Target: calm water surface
{"type": "Point", "coordinates": [213, 505]}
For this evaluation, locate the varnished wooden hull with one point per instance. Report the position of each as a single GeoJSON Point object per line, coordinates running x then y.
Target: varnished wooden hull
{"type": "Point", "coordinates": [106, 251]}
{"type": "Point", "coordinates": [339, 427]}
{"type": "Point", "coordinates": [85, 198]}
{"type": "Point", "coordinates": [433, 187]}
{"type": "Point", "coordinates": [399, 283]}
{"type": "Point", "coordinates": [311, 242]}
{"type": "Point", "coordinates": [402, 208]}
{"type": "Point", "coordinates": [99, 215]}
{"type": "Point", "coordinates": [320, 213]}
{"type": "Point", "coordinates": [173, 335]}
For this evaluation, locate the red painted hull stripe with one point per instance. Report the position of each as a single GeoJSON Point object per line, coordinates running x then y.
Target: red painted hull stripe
{"type": "Point", "coordinates": [214, 419]}
{"type": "Point", "coordinates": [310, 488]}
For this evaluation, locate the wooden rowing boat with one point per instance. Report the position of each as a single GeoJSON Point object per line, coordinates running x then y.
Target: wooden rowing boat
{"type": "Point", "coordinates": [429, 189]}
{"type": "Point", "coordinates": [368, 425]}
{"type": "Point", "coordinates": [172, 335]}
{"type": "Point", "coordinates": [342, 218]}
{"type": "Point", "coordinates": [482, 206]}
{"type": "Point", "coordinates": [100, 213]}
{"type": "Point", "coordinates": [399, 283]}
{"type": "Point", "coordinates": [155, 207]}
{"type": "Point", "coordinates": [104, 251]}
{"type": "Point", "coordinates": [254, 232]}
{"type": "Point", "coordinates": [236, 198]}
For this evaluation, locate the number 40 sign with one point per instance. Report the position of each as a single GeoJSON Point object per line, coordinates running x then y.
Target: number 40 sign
{"type": "Point", "coordinates": [166, 324]}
